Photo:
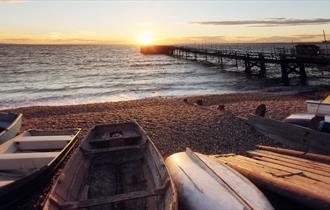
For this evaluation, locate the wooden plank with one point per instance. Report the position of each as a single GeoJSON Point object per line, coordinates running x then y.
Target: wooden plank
{"type": "Point", "coordinates": [296, 177]}
{"type": "Point", "coordinates": [292, 177]}
{"type": "Point", "coordinates": [13, 161]}
{"type": "Point", "coordinates": [104, 150]}
{"type": "Point", "coordinates": [312, 174]}
{"type": "Point", "coordinates": [44, 138]}
{"type": "Point", "coordinates": [301, 164]}
{"type": "Point", "coordinates": [108, 200]}
{"type": "Point", "coordinates": [295, 153]}
{"type": "Point", "coordinates": [292, 160]}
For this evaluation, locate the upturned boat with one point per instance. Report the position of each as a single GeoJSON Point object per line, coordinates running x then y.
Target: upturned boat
{"type": "Point", "coordinates": [117, 166]}
{"type": "Point", "coordinates": [29, 160]}
{"type": "Point", "coordinates": [292, 134]}
{"type": "Point", "coordinates": [10, 124]}
{"type": "Point", "coordinates": [204, 183]}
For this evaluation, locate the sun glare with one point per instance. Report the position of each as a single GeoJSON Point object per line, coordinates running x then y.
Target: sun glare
{"type": "Point", "coordinates": [145, 38]}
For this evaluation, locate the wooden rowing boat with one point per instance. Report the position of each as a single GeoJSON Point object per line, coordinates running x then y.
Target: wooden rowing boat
{"type": "Point", "coordinates": [203, 183]}
{"type": "Point", "coordinates": [116, 167]}
{"type": "Point", "coordinates": [10, 124]}
{"type": "Point", "coordinates": [29, 159]}
{"type": "Point", "coordinates": [303, 178]}
{"type": "Point", "coordinates": [293, 135]}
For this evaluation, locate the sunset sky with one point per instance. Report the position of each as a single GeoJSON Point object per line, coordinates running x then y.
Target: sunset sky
{"type": "Point", "coordinates": [82, 21]}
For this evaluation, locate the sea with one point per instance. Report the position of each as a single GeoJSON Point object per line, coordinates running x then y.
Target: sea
{"type": "Point", "coordinates": [43, 75]}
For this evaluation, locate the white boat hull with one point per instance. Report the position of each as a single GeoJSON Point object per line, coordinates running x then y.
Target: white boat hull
{"type": "Point", "coordinates": [203, 183]}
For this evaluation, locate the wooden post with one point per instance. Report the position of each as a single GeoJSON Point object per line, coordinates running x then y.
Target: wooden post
{"type": "Point", "coordinates": [206, 55]}
{"type": "Point", "coordinates": [247, 66]}
{"type": "Point", "coordinates": [284, 69]}
{"type": "Point", "coordinates": [262, 65]}
{"type": "Point", "coordinates": [221, 61]}
{"type": "Point", "coordinates": [302, 72]}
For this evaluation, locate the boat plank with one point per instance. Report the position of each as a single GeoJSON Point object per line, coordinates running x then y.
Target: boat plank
{"type": "Point", "coordinates": [299, 154]}
{"type": "Point", "coordinates": [107, 200]}
{"type": "Point", "coordinates": [293, 161]}
{"type": "Point", "coordinates": [44, 138]}
{"type": "Point", "coordinates": [313, 175]}
{"type": "Point", "coordinates": [293, 176]}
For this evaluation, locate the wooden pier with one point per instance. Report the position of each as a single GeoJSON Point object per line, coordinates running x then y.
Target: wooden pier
{"type": "Point", "coordinates": [255, 62]}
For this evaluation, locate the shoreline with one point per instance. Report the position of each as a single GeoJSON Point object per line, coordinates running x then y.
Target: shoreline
{"type": "Point", "coordinates": [276, 90]}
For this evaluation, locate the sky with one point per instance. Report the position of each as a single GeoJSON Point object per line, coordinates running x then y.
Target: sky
{"type": "Point", "coordinates": [168, 22]}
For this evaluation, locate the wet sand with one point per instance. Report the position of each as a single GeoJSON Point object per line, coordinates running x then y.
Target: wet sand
{"type": "Point", "coordinates": [174, 124]}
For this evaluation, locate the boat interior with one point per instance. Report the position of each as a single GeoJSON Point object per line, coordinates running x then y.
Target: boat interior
{"type": "Point", "coordinates": [115, 168]}
{"type": "Point", "coordinates": [30, 151]}
{"type": "Point", "coordinates": [6, 120]}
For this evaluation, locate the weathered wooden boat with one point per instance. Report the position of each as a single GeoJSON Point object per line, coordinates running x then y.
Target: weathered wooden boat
{"type": "Point", "coordinates": [116, 167]}
{"type": "Point", "coordinates": [29, 159]}
{"type": "Point", "coordinates": [203, 183]}
{"type": "Point", "coordinates": [301, 177]}
{"type": "Point", "coordinates": [10, 124]}
{"type": "Point", "coordinates": [290, 134]}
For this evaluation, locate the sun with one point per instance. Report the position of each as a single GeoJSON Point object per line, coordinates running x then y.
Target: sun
{"type": "Point", "coordinates": [145, 38]}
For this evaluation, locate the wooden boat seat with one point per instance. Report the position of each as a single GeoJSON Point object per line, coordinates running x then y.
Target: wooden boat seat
{"type": "Point", "coordinates": [42, 142]}
{"type": "Point", "coordinates": [112, 149]}
{"type": "Point", "coordinates": [19, 161]}
{"type": "Point", "coordinates": [117, 141]}
{"type": "Point", "coordinates": [110, 199]}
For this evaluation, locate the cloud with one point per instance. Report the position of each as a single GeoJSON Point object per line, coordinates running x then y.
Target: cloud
{"type": "Point", "coordinates": [244, 39]}
{"type": "Point", "coordinates": [272, 22]}
{"type": "Point", "coordinates": [12, 1]}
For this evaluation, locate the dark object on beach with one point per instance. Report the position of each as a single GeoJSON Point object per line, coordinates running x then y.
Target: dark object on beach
{"type": "Point", "coordinates": [185, 100]}
{"type": "Point", "coordinates": [307, 50]}
{"type": "Point", "coordinates": [261, 110]}
{"type": "Point", "coordinates": [117, 166]}
{"type": "Point", "coordinates": [293, 174]}
{"type": "Point", "coordinates": [199, 102]}
{"type": "Point", "coordinates": [295, 135]}
{"type": "Point", "coordinates": [28, 161]}
{"type": "Point", "coordinates": [221, 107]}
{"type": "Point", "coordinates": [10, 124]}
